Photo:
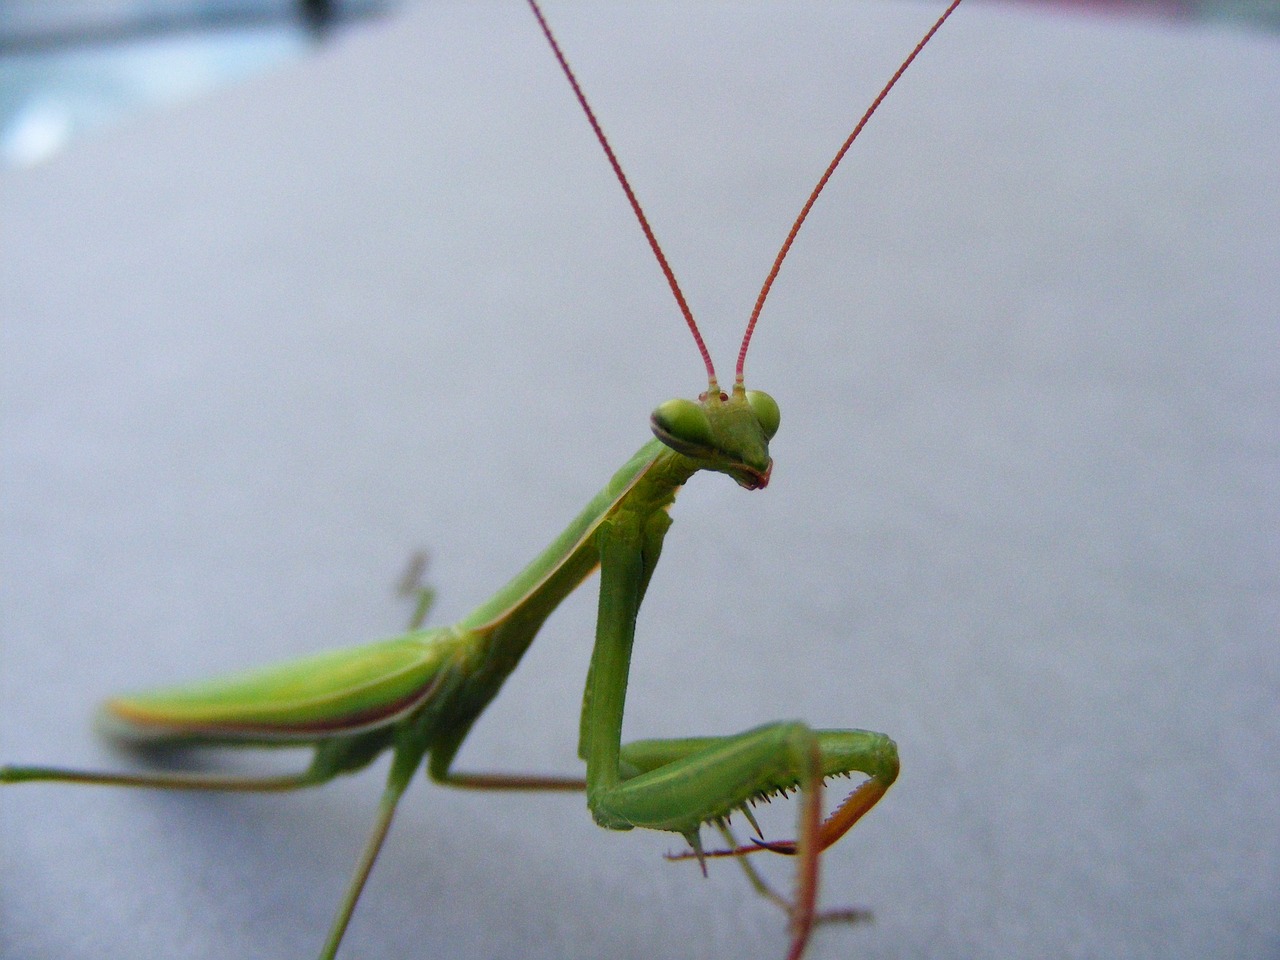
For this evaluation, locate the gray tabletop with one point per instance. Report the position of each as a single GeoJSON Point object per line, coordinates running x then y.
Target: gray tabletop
{"type": "Point", "coordinates": [1023, 517]}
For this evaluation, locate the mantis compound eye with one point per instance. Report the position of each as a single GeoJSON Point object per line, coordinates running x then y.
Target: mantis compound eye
{"type": "Point", "coordinates": [683, 426]}
{"type": "Point", "coordinates": [766, 410]}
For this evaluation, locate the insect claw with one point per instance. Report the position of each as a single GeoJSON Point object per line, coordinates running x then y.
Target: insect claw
{"type": "Point", "coordinates": [785, 847]}
{"type": "Point", "coordinates": [695, 842]}
{"type": "Point", "coordinates": [752, 820]}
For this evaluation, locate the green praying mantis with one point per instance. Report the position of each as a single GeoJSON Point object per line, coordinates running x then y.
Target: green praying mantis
{"type": "Point", "coordinates": [417, 695]}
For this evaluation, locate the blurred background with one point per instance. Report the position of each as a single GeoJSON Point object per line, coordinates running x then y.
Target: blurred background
{"type": "Point", "coordinates": [70, 67]}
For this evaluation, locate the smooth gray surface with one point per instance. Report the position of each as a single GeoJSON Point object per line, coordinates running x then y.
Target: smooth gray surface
{"type": "Point", "coordinates": [1023, 517]}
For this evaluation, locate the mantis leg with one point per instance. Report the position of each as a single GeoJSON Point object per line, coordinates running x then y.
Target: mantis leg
{"type": "Point", "coordinates": [410, 745]}
{"type": "Point", "coordinates": [514, 781]}
{"type": "Point", "coordinates": [409, 749]}
{"type": "Point", "coordinates": [413, 586]}
{"type": "Point", "coordinates": [333, 756]}
{"type": "Point", "coordinates": [168, 781]}
{"type": "Point", "coordinates": [681, 785]}
{"type": "Point", "coordinates": [843, 751]}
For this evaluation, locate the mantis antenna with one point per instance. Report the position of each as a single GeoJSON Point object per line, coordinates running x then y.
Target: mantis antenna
{"type": "Point", "coordinates": [822, 182]}
{"type": "Point", "coordinates": [631, 198]}
{"type": "Point", "coordinates": [712, 386]}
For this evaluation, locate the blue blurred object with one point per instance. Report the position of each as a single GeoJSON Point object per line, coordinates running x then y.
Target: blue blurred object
{"type": "Point", "coordinates": [68, 68]}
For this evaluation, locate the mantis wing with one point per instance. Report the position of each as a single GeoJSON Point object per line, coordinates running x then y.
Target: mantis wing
{"type": "Point", "coordinates": [339, 692]}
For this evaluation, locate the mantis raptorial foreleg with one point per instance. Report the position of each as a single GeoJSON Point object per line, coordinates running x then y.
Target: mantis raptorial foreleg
{"type": "Point", "coordinates": [679, 785]}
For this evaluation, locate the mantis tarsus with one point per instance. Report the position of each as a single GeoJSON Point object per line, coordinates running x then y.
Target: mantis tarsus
{"type": "Point", "coordinates": [418, 694]}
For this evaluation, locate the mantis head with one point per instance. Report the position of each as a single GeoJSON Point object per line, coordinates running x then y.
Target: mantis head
{"type": "Point", "coordinates": [728, 433]}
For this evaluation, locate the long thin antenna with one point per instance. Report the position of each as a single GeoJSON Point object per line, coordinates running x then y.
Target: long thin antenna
{"type": "Point", "coordinates": [631, 197]}
{"type": "Point", "coordinates": [822, 182]}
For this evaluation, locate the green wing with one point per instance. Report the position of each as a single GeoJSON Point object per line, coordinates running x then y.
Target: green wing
{"type": "Point", "coordinates": [329, 694]}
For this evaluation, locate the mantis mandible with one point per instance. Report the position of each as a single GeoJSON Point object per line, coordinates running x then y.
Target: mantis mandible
{"type": "Point", "coordinates": [418, 694]}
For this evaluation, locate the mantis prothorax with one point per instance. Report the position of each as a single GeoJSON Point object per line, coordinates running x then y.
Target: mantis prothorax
{"type": "Point", "coordinates": [418, 694]}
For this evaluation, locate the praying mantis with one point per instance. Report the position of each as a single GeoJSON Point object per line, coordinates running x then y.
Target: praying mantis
{"type": "Point", "coordinates": [418, 695]}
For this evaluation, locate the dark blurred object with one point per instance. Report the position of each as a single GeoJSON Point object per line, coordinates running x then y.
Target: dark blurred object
{"type": "Point", "coordinates": [1257, 13]}
{"type": "Point", "coordinates": [28, 25]}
